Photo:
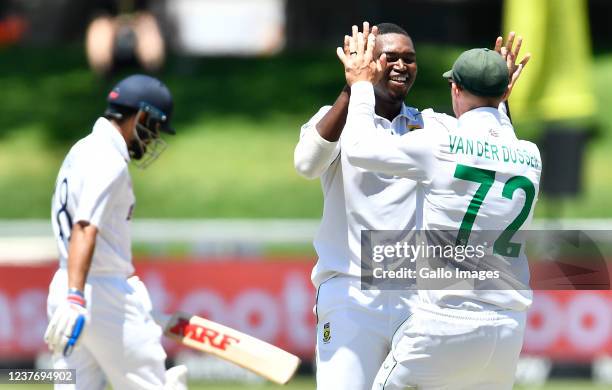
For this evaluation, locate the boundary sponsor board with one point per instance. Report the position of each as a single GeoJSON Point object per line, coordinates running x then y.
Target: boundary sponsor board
{"type": "Point", "coordinates": [273, 300]}
{"type": "Point", "coordinates": [270, 300]}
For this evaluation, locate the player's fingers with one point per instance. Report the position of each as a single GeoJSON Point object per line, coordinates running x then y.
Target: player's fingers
{"type": "Point", "coordinates": [345, 48]}
{"type": "Point", "coordinates": [369, 54]}
{"type": "Point", "coordinates": [525, 59]}
{"type": "Point", "coordinates": [516, 74]}
{"type": "Point", "coordinates": [517, 49]}
{"type": "Point", "coordinates": [366, 30]}
{"type": "Point", "coordinates": [510, 41]}
{"type": "Point", "coordinates": [498, 44]}
{"type": "Point", "coordinates": [64, 324]}
{"type": "Point", "coordinates": [51, 328]}
{"type": "Point", "coordinates": [504, 52]}
{"type": "Point", "coordinates": [353, 41]}
{"type": "Point", "coordinates": [55, 337]}
{"type": "Point", "coordinates": [341, 55]}
{"type": "Point", "coordinates": [49, 332]}
{"type": "Point", "coordinates": [360, 44]}
{"type": "Point", "coordinates": [510, 61]}
{"type": "Point", "coordinates": [352, 46]}
{"type": "Point", "coordinates": [67, 327]}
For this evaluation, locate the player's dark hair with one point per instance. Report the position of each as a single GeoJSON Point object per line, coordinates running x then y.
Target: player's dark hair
{"type": "Point", "coordinates": [118, 112]}
{"type": "Point", "coordinates": [391, 28]}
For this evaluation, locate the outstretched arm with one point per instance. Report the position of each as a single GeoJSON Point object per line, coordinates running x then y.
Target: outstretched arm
{"type": "Point", "coordinates": [318, 146]}
{"type": "Point", "coordinates": [331, 125]}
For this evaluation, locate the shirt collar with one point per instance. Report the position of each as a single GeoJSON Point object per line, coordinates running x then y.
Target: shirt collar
{"type": "Point", "coordinates": [104, 128]}
{"type": "Point", "coordinates": [487, 119]}
{"type": "Point", "coordinates": [405, 111]}
{"type": "Point", "coordinates": [413, 117]}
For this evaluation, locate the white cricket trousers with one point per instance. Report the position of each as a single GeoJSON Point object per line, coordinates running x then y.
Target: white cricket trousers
{"type": "Point", "coordinates": [120, 341]}
{"type": "Point", "coordinates": [439, 348]}
{"type": "Point", "coordinates": [354, 331]}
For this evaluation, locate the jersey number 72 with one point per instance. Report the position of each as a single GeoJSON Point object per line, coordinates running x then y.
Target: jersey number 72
{"type": "Point", "coordinates": [485, 177]}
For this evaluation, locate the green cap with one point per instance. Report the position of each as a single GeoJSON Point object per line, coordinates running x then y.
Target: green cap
{"type": "Point", "coordinates": [482, 72]}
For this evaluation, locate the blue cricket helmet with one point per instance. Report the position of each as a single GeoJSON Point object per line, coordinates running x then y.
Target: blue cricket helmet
{"type": "Point", "coordinates": [142, 92]}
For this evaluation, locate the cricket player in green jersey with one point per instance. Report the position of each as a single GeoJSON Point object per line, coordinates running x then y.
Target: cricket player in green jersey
{"type": "Point", "coordinates": [473, 175]}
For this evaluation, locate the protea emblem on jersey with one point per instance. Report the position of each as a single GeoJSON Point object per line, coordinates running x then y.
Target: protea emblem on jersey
{"type": "Point", "coordinates": [414, 123]}
{"type": "Point", "coordinates": [326, 333]}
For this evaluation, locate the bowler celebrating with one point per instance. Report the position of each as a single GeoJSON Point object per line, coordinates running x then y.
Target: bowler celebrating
{"type": "Point", "coordinates": [348, 356]}
{"type": "Point", "coordinates": [354, 326]}
{"type": "Point", "coordinates": [464, 190]}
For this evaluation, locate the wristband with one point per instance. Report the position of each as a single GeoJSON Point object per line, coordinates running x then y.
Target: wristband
{"type": "Point", "coordinates": [76, 296]}
{"type": "Point", "coordinates": [76, 291]}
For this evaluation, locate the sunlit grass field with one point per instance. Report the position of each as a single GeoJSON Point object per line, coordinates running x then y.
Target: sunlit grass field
{"type": "Point", "coordinates": [238, 121]}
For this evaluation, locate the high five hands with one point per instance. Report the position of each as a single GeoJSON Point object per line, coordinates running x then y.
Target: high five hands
{"type": "Point", "coordinates": [510, 53]}
{"type": "Point", "coordinates": [358, 58]}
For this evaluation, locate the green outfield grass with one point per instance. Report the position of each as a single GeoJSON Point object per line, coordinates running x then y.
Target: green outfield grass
{"type": "Point", "coordinates": [308, 384]}
{"type": "Point", "coordinates": [238, 122]}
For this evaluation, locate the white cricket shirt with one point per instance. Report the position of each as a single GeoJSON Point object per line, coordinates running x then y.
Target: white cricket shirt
{"type": "Point", "coordinates": [483, 140]}
{"type": "Point", "coordinates": [94, 185]}
{"type": "Point", "coordinates": [353, 198]}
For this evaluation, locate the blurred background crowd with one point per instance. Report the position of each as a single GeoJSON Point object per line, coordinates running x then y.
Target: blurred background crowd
{"type": "Point", "coordinates": [224, 202]}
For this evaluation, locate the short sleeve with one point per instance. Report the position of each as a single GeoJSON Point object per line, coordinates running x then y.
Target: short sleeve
{"type": "Point", "coordinates": [99, 181]}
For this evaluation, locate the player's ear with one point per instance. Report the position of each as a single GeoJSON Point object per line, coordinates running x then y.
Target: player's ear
{"type": "Point", "coordinates": [456, 89]}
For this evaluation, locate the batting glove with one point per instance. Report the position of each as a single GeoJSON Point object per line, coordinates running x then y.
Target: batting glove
{"type": "Point", "coordinates": [176, 378]}
{"type": "Point", "coordinates": [67, 323]}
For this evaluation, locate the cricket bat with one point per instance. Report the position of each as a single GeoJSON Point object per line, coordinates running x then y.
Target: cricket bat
{"type": "Point", "coordinates": [229, 344]}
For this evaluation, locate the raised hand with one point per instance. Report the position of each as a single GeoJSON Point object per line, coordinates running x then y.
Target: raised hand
{"type": "Point", "coordinates": [510, 53]}
{"type": "Point", "coordinates": [357, 56]}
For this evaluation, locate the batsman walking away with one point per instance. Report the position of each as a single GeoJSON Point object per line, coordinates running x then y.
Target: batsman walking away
{"type": "Point", "coordinates": [100, 314]}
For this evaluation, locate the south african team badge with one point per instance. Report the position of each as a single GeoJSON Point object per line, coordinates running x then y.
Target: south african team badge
{"type": "Point", "coordinates": [415, 121]}
{"type": "Point", "coordinates": [326, 333]}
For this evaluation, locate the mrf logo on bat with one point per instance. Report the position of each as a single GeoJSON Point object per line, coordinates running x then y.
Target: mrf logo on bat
{"type": "Point", "coordinates": [201, 334]}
